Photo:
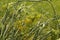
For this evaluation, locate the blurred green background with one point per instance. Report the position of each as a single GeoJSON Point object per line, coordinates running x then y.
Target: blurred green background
{"type": "Point", "coordinates": [26, 16]}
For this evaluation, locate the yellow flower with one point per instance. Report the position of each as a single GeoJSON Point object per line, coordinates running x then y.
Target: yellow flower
{"type": "Point", "coordinates": [4, 6]}
{"type": "Point", "coordinates": [31, 16]}
{"type": "Point", "coordinates": [38, 15]}
{"type": "Point", "coordinates": [27, 20]}
{"type": "Point", "coordinates": [20, 27]}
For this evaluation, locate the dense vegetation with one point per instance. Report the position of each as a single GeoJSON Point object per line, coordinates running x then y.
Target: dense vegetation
{"type": "Point", "coordinates": [29, 20]}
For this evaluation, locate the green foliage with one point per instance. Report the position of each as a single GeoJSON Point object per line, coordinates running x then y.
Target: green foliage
{"type": "Point", "coordinates": [27, 20]}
